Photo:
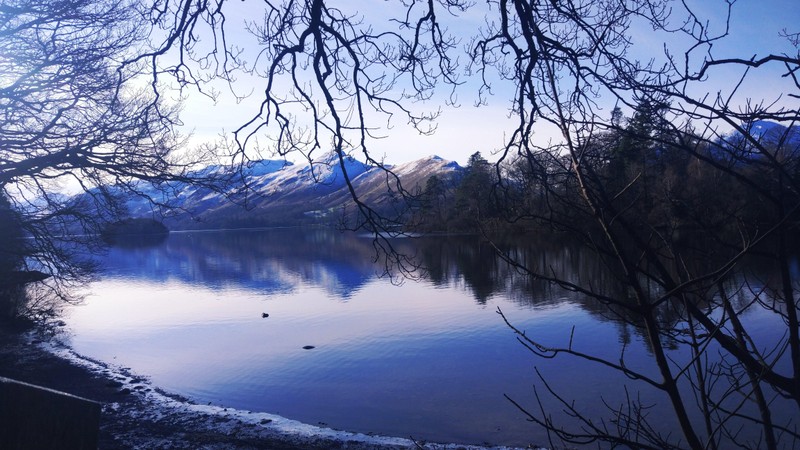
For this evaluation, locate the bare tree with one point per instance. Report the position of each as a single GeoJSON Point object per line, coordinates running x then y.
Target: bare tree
{"type": "Point", "coordinates": [562, 58]}
{"type": "Point", "coordinates": [75, 117]}
{"type": "Point", "coordinates": [328, 74]}
{"type": "Point", "coordinates": [332, 79]}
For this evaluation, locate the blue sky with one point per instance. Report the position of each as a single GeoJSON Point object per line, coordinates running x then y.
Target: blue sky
{"type": "Point", "coordinates": [755, 27]}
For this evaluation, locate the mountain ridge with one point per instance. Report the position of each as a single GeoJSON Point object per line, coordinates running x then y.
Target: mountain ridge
{"type": "Point", "coordinates": [280, 193]}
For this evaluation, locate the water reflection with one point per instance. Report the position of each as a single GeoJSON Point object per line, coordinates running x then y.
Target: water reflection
{"type": "Point", "coordinates": [278, 260]}
{"type": "Point", "coordinates": [270, 261]}
{"type": "Point", "coordinates": [429, 358]}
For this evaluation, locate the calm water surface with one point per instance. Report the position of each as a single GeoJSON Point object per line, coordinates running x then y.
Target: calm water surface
{"type": "Point", "coordinates": [428, 358]}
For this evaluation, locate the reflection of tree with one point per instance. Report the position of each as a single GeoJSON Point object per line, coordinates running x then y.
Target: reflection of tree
{"type": "Point", "coordinates": [267, 260]}
{"type": "Point", "coordinates": [472, 261]}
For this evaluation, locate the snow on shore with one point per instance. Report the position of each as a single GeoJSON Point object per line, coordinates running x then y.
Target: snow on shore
{"type": "Point", "coordinates": [157, 406]}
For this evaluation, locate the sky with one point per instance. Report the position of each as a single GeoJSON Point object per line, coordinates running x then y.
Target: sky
{"type": "Point", "coordinates": [461, 131]}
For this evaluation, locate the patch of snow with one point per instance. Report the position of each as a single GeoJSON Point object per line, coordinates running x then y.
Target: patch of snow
{"type": "Point", "coordinates": [265, 166]}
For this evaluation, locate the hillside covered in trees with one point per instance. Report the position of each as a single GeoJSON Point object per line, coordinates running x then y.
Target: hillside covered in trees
{"type": "Point", "coordinates": [659, 176]}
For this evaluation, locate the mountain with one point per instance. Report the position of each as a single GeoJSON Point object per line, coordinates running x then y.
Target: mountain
{"type": "Point", "coordinates": [378, 187]}
{"type": "Point", "coordinates": [277, 193]}
{"type": "Point", "coordinates": [773, 132]}
{"type": "Point", "coordinates": [769, 134]}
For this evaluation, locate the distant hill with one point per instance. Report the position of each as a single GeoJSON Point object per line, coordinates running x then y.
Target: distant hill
{"type": "Point", "coordinates": [768, 134]}
{"type": "Point", "coordinates": [279, 193]}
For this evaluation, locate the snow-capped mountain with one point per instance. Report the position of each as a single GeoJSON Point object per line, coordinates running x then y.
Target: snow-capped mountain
{"type": "Point", "coordinates": [270, 192]}
{"type": "Point", "coordinates": [762, 129]}
{"type": "Point", "coordinates": [770, 134]}
{"type": "Point", "coordinates": [195, 197]}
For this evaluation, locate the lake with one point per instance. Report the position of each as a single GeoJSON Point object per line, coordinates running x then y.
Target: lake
{"type": "Point", "coordinates": [228, 317]}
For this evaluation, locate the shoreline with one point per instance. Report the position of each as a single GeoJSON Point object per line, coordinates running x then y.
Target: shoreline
{"type": "Point", "coordinates": [136, 414]}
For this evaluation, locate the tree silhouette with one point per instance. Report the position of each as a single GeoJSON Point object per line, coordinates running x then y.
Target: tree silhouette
{"type": "Point", "coordinates": [560, 57]}
{"type": "Point", "coordinates": [74, 116]}
{"type": "Point", "coordinates": [333, 79]}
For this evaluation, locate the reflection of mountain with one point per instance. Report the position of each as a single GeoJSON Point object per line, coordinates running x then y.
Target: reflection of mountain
{"type": "Point", "coordinates": [279, 260]}
{"type": "Point", "coordinates": [269, 261]}
{"type": "Point", "coordinates": [274, 260]}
